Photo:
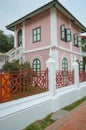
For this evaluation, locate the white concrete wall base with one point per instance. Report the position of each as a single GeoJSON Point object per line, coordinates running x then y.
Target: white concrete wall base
{"type": "Point", "coordinates": [17, 114]}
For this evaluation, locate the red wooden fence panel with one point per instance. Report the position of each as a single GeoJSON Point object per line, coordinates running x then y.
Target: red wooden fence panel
{"type": "Point", "coordinates": [64, 78]}
{"type": "Point", "coordinates": [18, 84]}
{"type": "Point", "coordinates": [82, 76]}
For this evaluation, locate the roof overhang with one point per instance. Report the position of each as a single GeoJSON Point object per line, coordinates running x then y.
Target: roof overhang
{"type": "Point", "coordinates": [55, 4]}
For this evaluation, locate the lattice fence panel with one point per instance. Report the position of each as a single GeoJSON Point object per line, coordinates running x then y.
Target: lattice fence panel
{"type": "Point", "coordinates": [64, 78]}
{"type": "Point", "coordinates": [18, 84]}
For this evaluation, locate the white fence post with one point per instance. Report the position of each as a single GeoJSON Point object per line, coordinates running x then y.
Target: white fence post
{"type": "Point", "coordinates": [50, 63]}
{"type": "Point", "coordinates": [76, 73]}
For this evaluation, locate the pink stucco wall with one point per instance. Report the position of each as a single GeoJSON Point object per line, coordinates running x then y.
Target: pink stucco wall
{"type": "Point", "coordinates": [60, 21]}
{"type": "Point", "coordinates": [42, 20]}
{"type": "Point", "coordinates": [74, 29]}
{"type": "Point", "coordinates": [41, 55]}
{"type": "Point", "coordinates": [64, 54]}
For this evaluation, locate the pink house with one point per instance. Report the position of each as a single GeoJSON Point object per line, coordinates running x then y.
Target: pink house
{"type": "Point", "coordinates": [53, 27]}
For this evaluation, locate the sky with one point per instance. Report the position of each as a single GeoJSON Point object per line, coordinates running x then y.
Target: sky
{"type": "Point", "coordinates": [12, 10]}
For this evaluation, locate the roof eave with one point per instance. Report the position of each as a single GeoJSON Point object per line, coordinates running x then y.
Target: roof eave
{"type": "Point", "coordinates": [29, 16]}
{"type": "Point", "coordinates": [64, 11]}
{"type": "Point", "coordinates": [55, 4]}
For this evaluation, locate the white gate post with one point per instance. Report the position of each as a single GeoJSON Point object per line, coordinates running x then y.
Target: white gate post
{"type": "Point", "coordinates": [50, 63]}
{"type": "Point", "coordinates": [76, 73]}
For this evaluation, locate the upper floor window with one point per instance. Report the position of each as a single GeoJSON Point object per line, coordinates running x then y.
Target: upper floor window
{"type": "Point", "coordinates": [36, 64]}
{"type": "Point", "coordinates": [81, 65]}
{"type": "Point", "coordinates": [64, 64]}
{"type": "Point", "coordinates": [37, 34]}
{"type": "Point", "coordinates": [20, 37]}
{"type": "Point", "coordinates": [65, 33]}
{"type": "Point", "coordinates": [77, 40]}
{"type": "Point", "coordinates": [68, 35]}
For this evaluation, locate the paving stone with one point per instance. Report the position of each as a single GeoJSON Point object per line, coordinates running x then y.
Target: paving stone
{"type": "Point", "coordinates": [74, 120]}
{"type": "Point", "coordinates": [59, 114]}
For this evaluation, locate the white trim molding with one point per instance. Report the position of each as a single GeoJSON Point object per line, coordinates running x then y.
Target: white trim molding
{"type": "Point", "coordinates": [48, 47]}
{"type": "Point", "coordinates": [15, 38]}
{"type": "Point", "coordinates": [23, 35]}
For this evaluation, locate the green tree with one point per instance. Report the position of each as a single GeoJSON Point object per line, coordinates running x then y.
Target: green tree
{"type": "Point", "coordinates": [6, 42]}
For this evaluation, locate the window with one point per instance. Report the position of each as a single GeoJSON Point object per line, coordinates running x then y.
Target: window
{"type": "Point", "coordinates": [64, 64]}
{"type": "Point", "coordinates": [36, 64]}
{"type": "Point", "coordinates": [68, 35]}
{"type": "Point", "coordinates": [77, 40]}
{"type": "Point", "coordinates": [37, 34]}
{"type": "Point", "coordinates": [19, 37]}
{"type": "Point", "coordinates": [65, 33]}
{"type": "Point", "coordinates": [81, 66]}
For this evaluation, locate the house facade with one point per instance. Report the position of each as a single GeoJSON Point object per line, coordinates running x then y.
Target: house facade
{"type": "Point", "coordinates": [53, 27]}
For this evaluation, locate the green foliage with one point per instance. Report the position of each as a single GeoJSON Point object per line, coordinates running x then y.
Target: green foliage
{"type": "Point", "coordinates": [15, 66]}
{"type": "Point", "coordinates": [25, 66]}
{"type": "Point", "coordinates": [41, 124]}
{"type": "Point", "coordinates": [6, 42]}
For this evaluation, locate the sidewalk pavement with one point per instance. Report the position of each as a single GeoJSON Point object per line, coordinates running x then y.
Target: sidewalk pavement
{"type": "Point", "coordinates": [73, 120]}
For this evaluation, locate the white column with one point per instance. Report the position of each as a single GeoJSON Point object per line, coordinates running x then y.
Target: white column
{"type": "Point", "coordinates": [53, 32]}
{"type": "Point", "coordinates": [71, 48]}
{"type": "Point", "coordinates": [50, 63]}
{"type": "Point", "coordinates": [53, 26]}
{"type": "Point", "coordinates": [56, 58]}
{"type": "Point", "coordinates": [23, 39]}
{"type": "Point", "coordinates": [71, 36]}
{"type": "Point", "coordinates": [23, 36]}
{"type": "Point", "coordinates": [72, 60]}
{"type": "Point", "coordinates": [76, 73]}
{"type": "Point", "coordinates": [15, 38]}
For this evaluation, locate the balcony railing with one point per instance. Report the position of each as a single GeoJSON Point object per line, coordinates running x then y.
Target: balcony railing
{"type": "Point", "coordinates": [16, 54]}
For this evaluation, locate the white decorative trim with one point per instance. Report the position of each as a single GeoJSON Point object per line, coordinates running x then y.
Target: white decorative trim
{"type": "Point", "coordinates": [15, 38]}
{"type": "Point", "coordinates": [48, 47]}
{"type": "Point", "coordinates": [70, 51]}
{"type": "Point", "coordinates": [71, 36]}
{"type": "Point", "coordinates": [36, 50]}
{"type": "Point", "coordinates": [23, 35]}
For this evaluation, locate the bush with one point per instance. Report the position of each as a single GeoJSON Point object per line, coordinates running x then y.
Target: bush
{"type": "Point", "coordinates": [15, 66]}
